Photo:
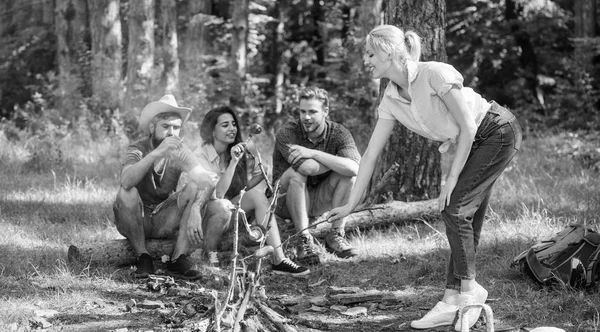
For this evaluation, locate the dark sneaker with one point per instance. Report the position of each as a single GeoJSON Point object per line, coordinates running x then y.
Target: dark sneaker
{"type": "Point", "coordinates": [181, 267]}
{"type": "Point", "coordinates": [144, 266]}
{"type": "Point", "coordinates": [290, 268]}
{"type": "Point", "coordinates": [308, 252]}
{"type": "Point", "coordinates": [336, 243]}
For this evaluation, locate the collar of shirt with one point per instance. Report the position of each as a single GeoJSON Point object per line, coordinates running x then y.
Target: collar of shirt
{"type": "Point", "coordinates": [319, 139]}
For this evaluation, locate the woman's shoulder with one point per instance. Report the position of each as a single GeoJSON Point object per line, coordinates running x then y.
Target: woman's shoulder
{"type": "Point", "coordinates": [435, 66]}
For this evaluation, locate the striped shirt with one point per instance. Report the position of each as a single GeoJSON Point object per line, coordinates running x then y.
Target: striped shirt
{"type": "Point", "coordinates": [427, 114]}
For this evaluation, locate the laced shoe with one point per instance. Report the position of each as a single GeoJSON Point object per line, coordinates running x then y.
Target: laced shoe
{"type": "Point", "coordinates": [287, 267]}
{"type": "Point", "coordinates": [181, 267]}
{"type": "Point", "coordinates": [144, 266]}
{"type": "Point", "coordinates": [308, 252]}
{"type": "Point", "coordinates": [472, 314]}
{"type": "Point", "coordinates": [441, 314]}
{"type": "Point", "coordinates": [213, 259]}
{"type": "Point", "coordinates": [336, 243]}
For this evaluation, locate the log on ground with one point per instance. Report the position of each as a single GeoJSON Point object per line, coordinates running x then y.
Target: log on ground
{"type": "Point", "coordinates": [383, 214]}
{"type": "Point", "coordinates": [121, 253]}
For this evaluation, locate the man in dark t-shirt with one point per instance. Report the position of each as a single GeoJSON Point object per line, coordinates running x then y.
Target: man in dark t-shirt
{"type": "Point", "coordinates": [316, 161]}
{"type": "Point", "coordinates": [148, 204]}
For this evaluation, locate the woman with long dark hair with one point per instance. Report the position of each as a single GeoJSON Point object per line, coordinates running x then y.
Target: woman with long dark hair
{"type": "Point", "coordinates": [224, 153]}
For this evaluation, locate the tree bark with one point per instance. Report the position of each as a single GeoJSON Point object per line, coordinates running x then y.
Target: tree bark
{"type": "Point", "coordinates": [140, 58]}
{"type": "Point", "coordinates": [196, 38]}
{"type": "Point", "coordinates": [71, 28]}
{"type": "Point", "coordinates": [419, 174]}
{"type": "Point", "coordinates": [585, 18]}
{"type": "Point", "coordinates": [170, 76]}
{"type": "Point", "coordinates": [107, 61]}
{"type": "Point", "coordinates": [239, 40]}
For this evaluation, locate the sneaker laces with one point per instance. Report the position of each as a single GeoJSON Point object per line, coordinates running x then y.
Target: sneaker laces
{"type": "Point", "coordinates": [341, 241]}
{"type": "Point", "coordinates": [288, 262]}
{"type": "Point", "coordinates": [213, 257]}
{"type": "Point", "coordinates": [307, 246]}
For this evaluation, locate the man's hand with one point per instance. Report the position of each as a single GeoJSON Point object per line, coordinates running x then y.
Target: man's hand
{"type": "Point", "coordinates": [169, 144]}
{"type": "Point", "coordinates": [298, 152]}
{"type": "Point", "coordinates": [194, 232]}
{"type": "Point", "coordinates": [338, 213]}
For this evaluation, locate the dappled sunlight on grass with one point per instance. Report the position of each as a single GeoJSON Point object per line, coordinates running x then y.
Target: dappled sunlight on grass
{"type": "Point", "coordinates": [42, 213]}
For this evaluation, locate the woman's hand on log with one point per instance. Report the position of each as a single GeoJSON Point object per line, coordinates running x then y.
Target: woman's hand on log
{"type": "Point", "coordinates": [338, 213]}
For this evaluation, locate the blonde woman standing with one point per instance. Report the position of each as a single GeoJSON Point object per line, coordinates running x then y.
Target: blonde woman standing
{"type": "Point", "coordinates": [429, 98]}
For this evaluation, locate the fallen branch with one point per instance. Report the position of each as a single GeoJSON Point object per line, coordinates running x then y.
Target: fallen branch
{"type": "Point", "coordinates": [120, 252]}
{"type": "Point", "coordinates": [279, 321]}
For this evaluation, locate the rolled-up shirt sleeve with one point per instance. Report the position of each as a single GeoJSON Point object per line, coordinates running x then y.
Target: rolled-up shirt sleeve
{"type": "Point", "coordinates": [444, 78]}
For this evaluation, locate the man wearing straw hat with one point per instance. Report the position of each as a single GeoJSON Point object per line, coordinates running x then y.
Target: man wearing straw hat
{"type": "Point", "coordinates": [148, 204]}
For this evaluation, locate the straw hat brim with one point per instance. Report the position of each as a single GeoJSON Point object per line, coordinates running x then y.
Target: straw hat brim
{"type": "Point", "coordinates": [154, 108]}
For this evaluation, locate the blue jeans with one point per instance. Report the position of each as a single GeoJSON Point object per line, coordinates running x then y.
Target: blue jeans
{"type": "Point", "coordinates": [497, 140]}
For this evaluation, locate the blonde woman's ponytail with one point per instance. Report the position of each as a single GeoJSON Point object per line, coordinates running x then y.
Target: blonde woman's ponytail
{"type": "Point", "coordinates": [413, 45]}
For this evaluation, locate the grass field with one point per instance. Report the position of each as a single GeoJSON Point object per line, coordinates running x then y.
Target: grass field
{"type": "Point", "coordinates": [44, 210]}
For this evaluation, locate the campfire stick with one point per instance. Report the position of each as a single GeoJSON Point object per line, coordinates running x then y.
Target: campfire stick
{"type": "Point", "coordinates": [219, 313]}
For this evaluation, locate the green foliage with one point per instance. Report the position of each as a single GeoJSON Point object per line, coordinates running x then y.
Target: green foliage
{"type": "Point", "coordinates": [486, 48]}
{"type": "Point", "coordinates": [26, 58]}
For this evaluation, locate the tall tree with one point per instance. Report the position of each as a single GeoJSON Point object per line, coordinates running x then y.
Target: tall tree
{"type": "Point", "coordinates": [585, 18]}
{"type": "Point", "coordinates": [140, 57]}
{"type": "Point", "coordinates": [170, 76]}
{"type": "Point", "coordinates": [107, 60]}
{"type": "Point", "coordinates": [239, 41]}
{"type": "Point", "coordinates": [279, 62]}
{"type": "Point", "coordinates": [528, 58]}
{"type": "Point", "coordinates": [419, 173]}
{"type": "Point", "coordinates": [196, 39]}
{"type": "Point", "coordinates": [71, 28]}
{"type": "Point", "coordinates": [319, 31]}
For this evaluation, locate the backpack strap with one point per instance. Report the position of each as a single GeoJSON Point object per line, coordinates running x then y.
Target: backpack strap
{"type": "Point", "coordinates": [538, 271]}
{"type": "Point", "coordinates": [592, 271]}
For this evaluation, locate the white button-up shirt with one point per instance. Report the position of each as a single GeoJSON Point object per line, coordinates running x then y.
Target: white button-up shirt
{"type": "Point", "coordinates": [427, 114]}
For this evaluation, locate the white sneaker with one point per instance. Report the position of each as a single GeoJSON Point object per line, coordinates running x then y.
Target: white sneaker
{"type": "Point", "coordinates": [472, 315]}
{"type": "Point", "coordinates": [442, 314]}
{"type": "Point", "coordinates": [479, 296]}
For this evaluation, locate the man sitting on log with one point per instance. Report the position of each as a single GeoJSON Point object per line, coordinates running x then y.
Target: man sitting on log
{"type": "Point", "coordinates": [316, 161]}
{"type": "Point", "coordinates": [148, 206]}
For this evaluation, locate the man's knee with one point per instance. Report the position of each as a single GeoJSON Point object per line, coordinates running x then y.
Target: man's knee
{"type": "Point", "coordinates": [218, 212]}
{"type": "Point", "coordinates": [294, 179]}
{"type": "Point", "coordinates": [127, 202]}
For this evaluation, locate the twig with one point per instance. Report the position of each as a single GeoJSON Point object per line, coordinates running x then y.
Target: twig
{"type": "Point", "coordinates": [219, 313]}
{"type": "Point", "coordinates": [242, 309]}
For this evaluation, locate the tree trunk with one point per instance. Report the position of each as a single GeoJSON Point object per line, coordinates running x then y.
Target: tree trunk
{"type": "Point", "coordinates": [71, 28]}
{"type": "Point", "coordinates": [528, 58]}
{"type": "Point", "coordinates": [107, 61]}
{"type": "Point", "coordinates": [196, 40]}
{"type": "Point", "coordinates": [170, 75]}
{"type": "Point", "coordinates": [278, 67]}
{"type": "Point", "coordinates": [140, 59]}
{"type": "Point", "coordinates": [419, 174]}
{"type": "Point", "coordinates": [319, 41]}
{"type": "Point", "coordinates": [585, 18]}
{"type": "Point", "coordinates": [5, 12]}
{"type": "Point", "coordinates": [239, 40]}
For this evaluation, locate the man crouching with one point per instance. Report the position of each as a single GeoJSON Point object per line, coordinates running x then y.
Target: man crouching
{"type": "Point", "coordinates": [148, 206]}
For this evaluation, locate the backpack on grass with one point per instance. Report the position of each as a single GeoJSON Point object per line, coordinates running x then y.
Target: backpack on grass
{"type": "Point", "coordinates": [571, 257]}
